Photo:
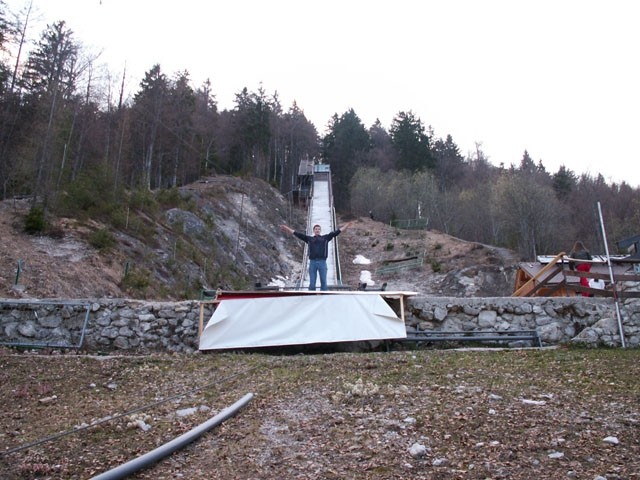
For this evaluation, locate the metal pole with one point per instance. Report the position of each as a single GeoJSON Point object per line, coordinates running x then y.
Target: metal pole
{"type": "Point", "coordinates": [18, 271]}
{"type": "Point", "coordinates": [612, 279]}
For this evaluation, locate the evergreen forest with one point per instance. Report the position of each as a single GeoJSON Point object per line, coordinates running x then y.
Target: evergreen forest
{"type": "Point", "coordinates": [75, 143]}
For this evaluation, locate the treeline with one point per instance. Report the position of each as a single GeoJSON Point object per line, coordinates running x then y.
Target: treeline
{"type": "Point", "coordinates": [407, 173]}
{"type": "Point", "coordinates": [73, 141]}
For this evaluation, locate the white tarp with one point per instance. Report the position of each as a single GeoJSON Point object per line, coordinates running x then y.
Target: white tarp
{"type": "Point", "coordinates": [303, 319]}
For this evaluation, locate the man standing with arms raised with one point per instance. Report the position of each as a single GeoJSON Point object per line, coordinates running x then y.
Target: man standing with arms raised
{"type": "Point", "coordinates": [318, 252]}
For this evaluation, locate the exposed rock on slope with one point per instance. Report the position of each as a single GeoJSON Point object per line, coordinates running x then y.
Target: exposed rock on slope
{"type": "Point", "coordinates": [224, 233]}
{"type": "Point", "coordinates": [449, 266]}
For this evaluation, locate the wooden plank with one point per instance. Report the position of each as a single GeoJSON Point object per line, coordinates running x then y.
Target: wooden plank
{"type": "Point", "coordinates": [539, 281]}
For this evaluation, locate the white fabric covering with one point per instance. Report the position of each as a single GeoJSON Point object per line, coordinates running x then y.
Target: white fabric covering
{"type": "Point", "coordinates": [300, 319]}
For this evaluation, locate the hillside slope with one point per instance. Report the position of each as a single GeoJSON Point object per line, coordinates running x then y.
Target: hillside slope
{"type": "Point", "coordinates": [224, 234]}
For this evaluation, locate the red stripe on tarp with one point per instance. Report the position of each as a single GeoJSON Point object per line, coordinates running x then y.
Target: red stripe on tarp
{"type": "Point", "coordinates": [233, 295]}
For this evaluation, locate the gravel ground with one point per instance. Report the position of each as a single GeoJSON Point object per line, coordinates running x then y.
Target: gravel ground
{"type": "Point", "coordinates": [432, 414]}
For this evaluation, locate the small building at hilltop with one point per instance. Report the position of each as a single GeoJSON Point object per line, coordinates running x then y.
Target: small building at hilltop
{"type": "Point", "coordinates": [303, 191]}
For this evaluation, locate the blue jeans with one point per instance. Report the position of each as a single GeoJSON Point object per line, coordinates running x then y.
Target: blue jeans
{"type": "Point", "coordinates": [318, 267]}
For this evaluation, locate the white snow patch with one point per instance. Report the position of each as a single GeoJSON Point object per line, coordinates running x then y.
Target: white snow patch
{"type": "Point", "coordinates": [365, 277]}
{"type": "Point", "coordinates": [361, 260]}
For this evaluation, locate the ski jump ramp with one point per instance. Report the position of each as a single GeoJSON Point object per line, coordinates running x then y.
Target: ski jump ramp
{"type": "Point", "coordinates": [321, 212]}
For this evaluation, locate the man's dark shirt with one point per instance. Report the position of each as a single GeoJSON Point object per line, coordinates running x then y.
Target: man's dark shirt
{"type": "Point", "coordinates": [318, 244]}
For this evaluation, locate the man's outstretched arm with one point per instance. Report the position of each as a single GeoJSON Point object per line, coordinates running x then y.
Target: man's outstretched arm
{"type": "Point", "coordinates": [345, 226]}
{"type": "Point", "coordinates": [286, 229]}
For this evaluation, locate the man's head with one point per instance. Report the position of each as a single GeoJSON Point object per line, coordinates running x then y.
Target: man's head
{"type": "Point", "coordinates": [316, 229]}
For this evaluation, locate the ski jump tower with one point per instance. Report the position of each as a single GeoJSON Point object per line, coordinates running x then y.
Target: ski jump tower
{"type": "Point", "coordinates": [316, 180]}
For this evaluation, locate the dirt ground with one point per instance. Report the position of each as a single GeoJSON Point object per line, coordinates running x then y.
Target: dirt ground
{"type": "Point", "coordinates": [443, 258]}
{"type": "Point", "coordinates": [424, 414]}
{"type": "Point", "coordinates": [34, 266]}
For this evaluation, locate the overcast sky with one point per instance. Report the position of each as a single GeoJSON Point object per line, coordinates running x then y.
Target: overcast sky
{"type": "Point", "coordinates": [558, 78]}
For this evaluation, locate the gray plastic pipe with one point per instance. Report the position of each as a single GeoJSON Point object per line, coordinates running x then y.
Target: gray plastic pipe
{"type": "Point", "coordinates": [168, 448]}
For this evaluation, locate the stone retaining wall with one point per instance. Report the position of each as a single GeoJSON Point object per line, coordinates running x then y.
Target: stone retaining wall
{"type": "Point", "coordinates": [558, 320]}
{"type": "Point", "coordinates": [120, 324]}
{"type": "Point", "coordinates": [140, 326]}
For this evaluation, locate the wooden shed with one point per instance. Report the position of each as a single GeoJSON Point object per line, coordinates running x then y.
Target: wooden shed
{"type": "Point", "coordinates": [550, 276]}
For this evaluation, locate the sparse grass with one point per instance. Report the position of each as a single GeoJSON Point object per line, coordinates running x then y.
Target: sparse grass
{"type": "Point", "coordinates": [137, 279]}
{"type": "Point", "coordinates": [355, 415]}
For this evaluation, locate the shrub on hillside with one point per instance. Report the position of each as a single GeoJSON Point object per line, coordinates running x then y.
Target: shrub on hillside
{"type": "Point", "coordinates": [102, 239]}
{"type": "Point", "coordinates": [35, 222]}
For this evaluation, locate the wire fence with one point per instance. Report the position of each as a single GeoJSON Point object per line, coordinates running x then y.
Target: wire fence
{"type": "Point", "coordinates": [43, 324]}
